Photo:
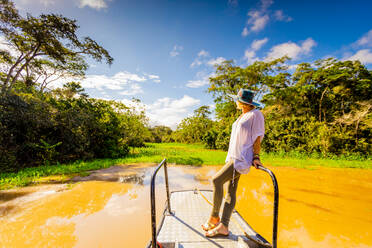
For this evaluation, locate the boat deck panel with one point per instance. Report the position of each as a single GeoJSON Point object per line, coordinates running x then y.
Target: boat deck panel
{"type": "Point", "coordinates": [189, 211]}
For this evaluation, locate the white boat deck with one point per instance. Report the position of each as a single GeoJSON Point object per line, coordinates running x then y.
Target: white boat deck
{"type": "Point", "coordinates": [183, 227]}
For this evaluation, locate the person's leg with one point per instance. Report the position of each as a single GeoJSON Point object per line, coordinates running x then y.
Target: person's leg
{"type": "Point", "coordinates": [222, 176]}
{"type": "Point", "coordinates": [229, 205]}
{"type": "Point", "coordinates": [222, 227]}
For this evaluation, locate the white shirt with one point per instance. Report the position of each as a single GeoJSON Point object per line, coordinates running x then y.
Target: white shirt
{"type": "Point", "coordinates": [245, 131]}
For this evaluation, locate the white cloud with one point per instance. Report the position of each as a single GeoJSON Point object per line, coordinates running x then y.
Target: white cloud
{"type": "Point", "coordinates": [94, 4]}
{"type": "Point", "coordinates": [166, 111]}
{"type": "Point", "coordinates": [366, 39]}
{"type": "Point", "coordinates": [196, 62]}
{"type": "Point", "coordinates": [197, 83]}
{"type": "Point", "coordinates": [307, 45]}
{"type": "Point", "coordinates": [260, 17]}
{"type": "Point", "coordinates": [280, 16]}
{"type": "Point", "coordinates": [124, 83]}
{"type": "Point", "coordinates": [250, 56]}
{"type": "Point", "coordinates": [266, 4]}
{"type": "Point", "coordinates": [132, 90]}
{"type": "Point", "coordinates": [257, 19]}
{"type": "Point", "coordinates": [169, 112]}
{"type": "Point", "coordinates": [250, 53]}
{"type": "Point", "coordinates": [202, 78]}
{"type": "Point", "coordinates": [176, 50]}
{"type": "Point", "coordinates": [292, 67]}
{"type": "Point", "coordinates": [203, 53]}
{"type": "Point", "coordinates": [291, 49]}
{"type": "Point", "coordinates": [21, 3]}
{"type": "Point", "coordinates": [257, 44]}
{"type": "Point", "coordinates": [200, 59]}
{"type": "Point", "coordinates": [47, 2]}
{"type": "Point", "coordinates": [154, 78]}
{"type": "Point", "coordinates": [125, 76]}
{"type": "Point", "coordinates": [216, 61]}
{"type": "Point", "coordinates": [364, 56]}
{"type": "Point", "coordinates": [4, 45]}
{"type": "Point", "coordinates": [245, 32]}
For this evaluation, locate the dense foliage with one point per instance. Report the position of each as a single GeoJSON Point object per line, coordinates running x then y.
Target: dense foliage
{"type": "Point", "coordinates": [323, 107]}
{"type": "Point", "coordinates": [42, 126]}
{"type": "Point", "coordinates": [160, 134]}
{"type": "Point", "coordinates": [64, 126]}
{"type": "Point", "coordinates": [194, 128]}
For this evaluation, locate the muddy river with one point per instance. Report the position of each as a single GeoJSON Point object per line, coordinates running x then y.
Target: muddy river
{"type": "Point", "coordinates": [111, 207]}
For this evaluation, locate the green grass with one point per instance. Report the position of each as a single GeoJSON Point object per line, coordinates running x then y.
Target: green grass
{"type": "Point", "coordinates": [312, 162]}
{"type": "Point", "coordinates": [186, 154]}
{"type": "Point", "coordinates": [176, 153]}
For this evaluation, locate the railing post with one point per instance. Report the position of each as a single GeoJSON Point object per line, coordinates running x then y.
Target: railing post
{"type": "Point", "coordinates": [276, 205]}
{"type": "Point", "coordinates": [153, 212]}
{"type": "Point", "coordinates": [167, 186]}
{"type": "Point", "coordinates": [152, 195]}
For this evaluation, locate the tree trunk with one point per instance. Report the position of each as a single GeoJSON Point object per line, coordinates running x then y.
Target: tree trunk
{"type": "Point", "coordinates": [19, 60]}
{"type": "Point", "coordinates": [24, 65]}
{"type": "Point", "coordinates": [320, 104]}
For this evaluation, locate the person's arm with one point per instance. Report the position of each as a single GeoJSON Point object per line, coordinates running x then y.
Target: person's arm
{"type": "Point", "coordinates": [256, 152]}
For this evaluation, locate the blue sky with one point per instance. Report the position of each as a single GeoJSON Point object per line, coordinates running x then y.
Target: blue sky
{"type": "Point", "coordinates": [164, 51]}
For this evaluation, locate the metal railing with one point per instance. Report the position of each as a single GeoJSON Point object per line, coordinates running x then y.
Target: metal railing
{"type": "Point", "coordinates": [152, 193]}
{"type": "Point", "coordinates": [276, 205]}
{"type": "Point", "coordinates": [153, 207]}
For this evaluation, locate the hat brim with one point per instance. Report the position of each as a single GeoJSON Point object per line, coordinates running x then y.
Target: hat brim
{"type": "Point", "coordinates": [250, 103]}
{"type": "Point", "coordinates": [236, 98]}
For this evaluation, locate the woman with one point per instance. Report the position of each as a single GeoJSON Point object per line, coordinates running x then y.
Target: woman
{"type": "Point", "coordinates": [244, 149]}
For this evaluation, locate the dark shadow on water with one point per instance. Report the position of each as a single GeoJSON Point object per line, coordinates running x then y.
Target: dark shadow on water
{"type": "Point", "coordinates": [4, 210]}
{"type": "Point", "coordinates": [8, 196]}
{"type": "Point", "coordinates": [315, 192]}
{"type": "Point", "coordinates": [114, 174]}
{"type": "Point", "coordinates": [302, 202]}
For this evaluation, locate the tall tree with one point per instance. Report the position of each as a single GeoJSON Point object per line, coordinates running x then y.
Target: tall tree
{"type": "Point", "coordinates": [259, 76]}
{"type": "Point", "coordinates": [192, 129]}
{"type": "Point", "coordinates": [50, 37]}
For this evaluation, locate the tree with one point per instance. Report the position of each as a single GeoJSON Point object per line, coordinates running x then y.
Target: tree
{"type": "Point", "coordinates": [259, 77]}
{"type": "Point", "coordinates": [323, 107]}
{"type": "Point", "coordinates": [193, 129]}
{"type": "Point", "coordinates": [46, 41]}
{"type": "Point", "coordinates": [160, 134]}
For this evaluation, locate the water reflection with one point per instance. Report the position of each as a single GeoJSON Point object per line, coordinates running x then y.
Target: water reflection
{"type": "Point", "coordinates": [111, 208]}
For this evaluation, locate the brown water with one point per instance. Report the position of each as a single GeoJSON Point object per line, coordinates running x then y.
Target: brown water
{"type": "Point", "coordinates": [318, 208]}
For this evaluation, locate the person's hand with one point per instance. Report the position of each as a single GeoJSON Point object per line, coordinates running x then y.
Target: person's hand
{"type": "Point", "coordinates": [256, 162]}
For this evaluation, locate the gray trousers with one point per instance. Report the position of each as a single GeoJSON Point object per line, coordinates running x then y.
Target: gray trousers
{"type": "Point", "coordinates": [225, 174]}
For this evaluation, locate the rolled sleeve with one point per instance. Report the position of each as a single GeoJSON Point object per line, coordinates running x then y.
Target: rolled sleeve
{"type": "Point", "coordinates": [258, 126]}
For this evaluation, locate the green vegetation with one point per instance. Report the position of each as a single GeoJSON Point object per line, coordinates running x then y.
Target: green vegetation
{"type": "Point", "coordinates": [159, 134]}
{"type": "Point", "coordinates": [41, 126]}
{"type": "Point", "coordinates": [176, 153]}
{"type": "Point", "coordinates": [319, 115]}
{"type": "Point", "coordinates": [193, 129]}
{"type": "Point", "coordinates": [324, 107]}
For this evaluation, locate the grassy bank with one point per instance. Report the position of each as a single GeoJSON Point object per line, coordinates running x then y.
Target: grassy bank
{"type": "Point", "coordinates": [175, 153]}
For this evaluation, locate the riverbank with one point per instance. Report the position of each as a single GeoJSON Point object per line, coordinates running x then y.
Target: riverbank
{"type": "Point", "coordinates": [180, 154]}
